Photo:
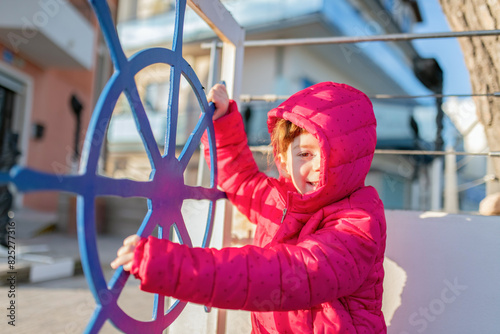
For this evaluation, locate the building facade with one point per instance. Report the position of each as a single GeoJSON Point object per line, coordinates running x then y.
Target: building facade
{"type": "Point", "coordinates": [52, 67]}
{"type": "Point", "coordinates": [375, 67]}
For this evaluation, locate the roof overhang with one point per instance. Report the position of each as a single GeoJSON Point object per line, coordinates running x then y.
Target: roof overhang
{"type": "Point", "coordinates": [51, 33]}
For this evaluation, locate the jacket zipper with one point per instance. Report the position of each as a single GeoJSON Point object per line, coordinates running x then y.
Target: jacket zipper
{"type": "Point", "coordinates": [283, 217]}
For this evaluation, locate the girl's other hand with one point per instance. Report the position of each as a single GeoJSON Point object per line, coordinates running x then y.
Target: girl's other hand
{"type": "Point", "coordinates": [125, 254]}
{"type": "Point", "coordinates": [218, 95]}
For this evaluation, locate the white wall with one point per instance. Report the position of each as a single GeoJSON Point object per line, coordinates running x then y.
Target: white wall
{"type": "Point", "coordinates": [302, 63]}
{"type": "Point", "coordinates": [259, 71]}
{"type": "Point", "coordinates": [442, 274]}
{"type": "Point", "coordinates": [39, 30]}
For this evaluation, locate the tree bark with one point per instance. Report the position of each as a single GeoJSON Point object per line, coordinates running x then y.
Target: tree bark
{"type": "Point", "coordinates": [482, 58]}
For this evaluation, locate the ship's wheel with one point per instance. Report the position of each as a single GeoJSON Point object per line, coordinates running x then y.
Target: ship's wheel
{"type": "Point", "coordinates": [165, 190]}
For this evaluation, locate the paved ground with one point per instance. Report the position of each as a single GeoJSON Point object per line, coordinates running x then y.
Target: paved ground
{"type": "Point", "coordinates": [65, 306]}
{"type": "Point", "coordinates": [50, 294]}
{"type": "Point", "coordinates": [53, 297]}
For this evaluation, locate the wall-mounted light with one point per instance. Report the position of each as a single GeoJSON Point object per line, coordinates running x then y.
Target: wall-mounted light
{"type": "Point", "coordinates": [37, 131]}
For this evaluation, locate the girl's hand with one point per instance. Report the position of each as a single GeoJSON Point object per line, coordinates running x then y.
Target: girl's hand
{"type": "Point", "coordinates": [125, 254]}
{"type": "Point", "coordinates": [218, 95]}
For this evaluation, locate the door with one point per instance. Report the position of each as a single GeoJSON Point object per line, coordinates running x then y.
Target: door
{"type": "Point", "coordinates": [8, 154]}
{"type": "Point", "coordinates": [8, 140]}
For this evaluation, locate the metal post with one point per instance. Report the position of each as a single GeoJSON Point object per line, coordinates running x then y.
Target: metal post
{"type": "Point", "coordinates": [450, 184]}
{"type": "Point", "coordinates": [233, 37]}
{"type": "Point", "coordinates": [214, 65]}
{"type": "Point", "coordinates": [436, 181]}
{"type": "Point", "coordinates": [203, 174]}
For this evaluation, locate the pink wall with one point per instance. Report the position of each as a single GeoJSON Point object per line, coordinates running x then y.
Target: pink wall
{"type": "Point", "coordinates": [52, 90]}
{"type": "Point", "coordinates": [51, 107]}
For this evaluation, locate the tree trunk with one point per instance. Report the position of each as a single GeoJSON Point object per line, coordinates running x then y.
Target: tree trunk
{"type": "Point", "coordinates": [482, 58]}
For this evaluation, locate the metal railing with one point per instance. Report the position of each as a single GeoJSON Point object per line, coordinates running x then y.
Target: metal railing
{"type": "Point", "coordinates": [360, 39]}
{"type": "Point", "coordinates": [276, 98]}
{"type": "Point", "coordinates": [272, 98]}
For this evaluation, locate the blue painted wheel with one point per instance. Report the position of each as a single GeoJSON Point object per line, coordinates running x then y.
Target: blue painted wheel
{"type": "Point", "coordinates": [165, 190]}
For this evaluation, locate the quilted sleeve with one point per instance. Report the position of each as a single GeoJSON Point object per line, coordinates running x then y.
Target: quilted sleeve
{"type": "Point", "coordinates": [238, 174]}
{"type": "Point", "coordinates": [329, 264]}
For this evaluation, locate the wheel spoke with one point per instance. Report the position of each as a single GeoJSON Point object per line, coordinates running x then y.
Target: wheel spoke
{"type": "Point", "coordinates": [122, 187]}
{"type": "Point", "coordinates": [181, 231]}
{"type": "Point", "coordinates": [148, 223]}
{"type": "Point", "coordinates": [159, 306]}
{"type": "Point", "coordinates": [200, 193]}
{"type": "Point", "coordinates": [97, 321]}
{"type": "Point", "coordinates": [173, 110]}
{"type": "Point", "coordinates": [117, 282]}
{"type": "Point", "coordinates": [27, 180]}
{"type": "Point", "coordinates": [193, 141]}
{"type": "Point", "coordinates": [142, 123]}
{"type": "Point", "coordinates": [174, 310]}
{"type": "Point", "coordinates": [103, 14]}
{"type": "Point", "coordinates": [180, 9]}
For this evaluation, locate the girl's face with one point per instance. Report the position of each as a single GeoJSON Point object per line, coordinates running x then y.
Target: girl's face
{"type": "Point", "coordinates": [302, 162]}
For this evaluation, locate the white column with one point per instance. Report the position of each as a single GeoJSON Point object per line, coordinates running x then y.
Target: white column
{"type": "Point", "coordinates": [436, 184]}
{"type": "Point", "coordinates": [450, 183]}
{"type": "Point", "coordinates": [233, 36]}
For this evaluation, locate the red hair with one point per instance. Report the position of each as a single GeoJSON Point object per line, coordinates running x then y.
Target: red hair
{"type": "Point", "coordinates": [284, 132]}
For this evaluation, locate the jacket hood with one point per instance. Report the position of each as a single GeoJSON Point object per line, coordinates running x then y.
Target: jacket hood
{"type": "Point", "coordinates": [342, 119]}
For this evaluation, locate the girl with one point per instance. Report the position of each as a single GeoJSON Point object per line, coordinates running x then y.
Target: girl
{"type": "Point", "coordinates": [316, 262]}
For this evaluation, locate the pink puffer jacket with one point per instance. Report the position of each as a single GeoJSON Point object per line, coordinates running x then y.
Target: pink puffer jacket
{"type": "Point", "coordinates": [316, 262]}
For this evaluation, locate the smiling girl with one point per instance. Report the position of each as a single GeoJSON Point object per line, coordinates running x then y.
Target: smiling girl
{"type": "Point", "coordinates": [316, 262]}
